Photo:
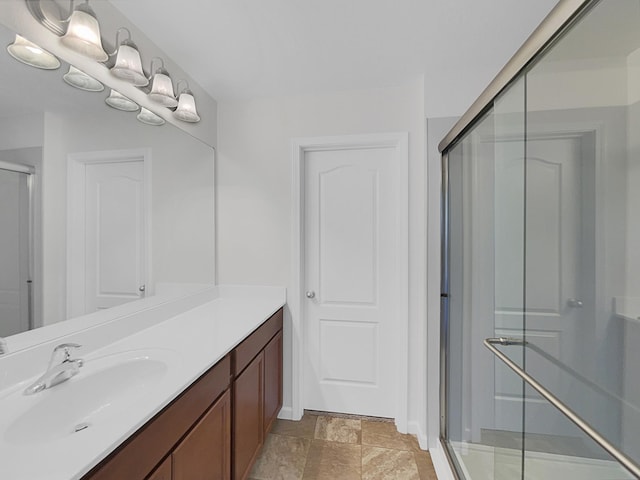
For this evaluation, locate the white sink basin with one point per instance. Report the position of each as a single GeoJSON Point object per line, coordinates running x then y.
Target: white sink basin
{"type": "Point", "coordinates": [105, 387]}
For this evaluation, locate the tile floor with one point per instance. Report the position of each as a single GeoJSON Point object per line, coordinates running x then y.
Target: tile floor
{"type": "Point", "coordinates": [327, 447]}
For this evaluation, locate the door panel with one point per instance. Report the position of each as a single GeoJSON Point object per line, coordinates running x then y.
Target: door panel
{"type": "Point", "coordinates": [248, 417]}
{"type": "Point", "coordinates": [272, 380]}
{"type": "Point", "coordinates": [205, 452]}
{"type": "Point", "coordinates": [115, 244]}
{"type": "Point", "coordinates": [350, 266]}
{"type": "Point", "coordinates": [554, 217]}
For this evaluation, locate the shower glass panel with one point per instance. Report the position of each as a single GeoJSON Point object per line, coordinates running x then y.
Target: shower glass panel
{"type": "Point", "coordinates": [583, 226]}
{"type": "Point", "coordinates": [541, 317]}
{"type": "Point", "coordinates": [486, 258]}
{"type": "Point", "coordinates": [15, 295]}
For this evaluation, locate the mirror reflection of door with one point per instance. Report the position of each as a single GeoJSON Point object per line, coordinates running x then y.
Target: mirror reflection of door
{"type": "Point", "coordinates": [107, 230]}
{"type": "Point", "coordinates": [114, 235]}
{"type": "Point", "coordinates": [15, 251]}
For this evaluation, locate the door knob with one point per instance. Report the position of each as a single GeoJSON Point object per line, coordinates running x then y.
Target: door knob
{"type": "Point", "coordinates": [142, 288]}
{"type": "Point", "coordinates": [310, 294]}
{"type": "Point", "coordinates": [575, 303]}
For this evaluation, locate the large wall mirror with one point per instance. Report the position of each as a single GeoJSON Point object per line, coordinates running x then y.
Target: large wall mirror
{"type": "Point", "coordinates": [96, 208]}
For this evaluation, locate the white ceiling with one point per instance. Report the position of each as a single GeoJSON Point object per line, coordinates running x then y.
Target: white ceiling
{"type": "Point", "coordinates": [239, 49]}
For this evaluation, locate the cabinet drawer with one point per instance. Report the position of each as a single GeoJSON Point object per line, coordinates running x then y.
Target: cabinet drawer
{"type": "Point", "coordinates": [135, 458]}
{"type": "Point", "coordinates": [254, 343]}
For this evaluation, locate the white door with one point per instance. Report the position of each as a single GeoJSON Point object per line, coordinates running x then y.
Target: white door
{"type": "Point", "coordinates": [557, 278]}
{"type": "Point", "coordinates": [14, 252]}
{"type": "Point", "coordinates": [351, 281]}
{"type": "Point", "coordinates": [114, 234]}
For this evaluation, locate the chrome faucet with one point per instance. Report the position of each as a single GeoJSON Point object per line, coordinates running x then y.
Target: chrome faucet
{"type": "Point", "coordinates": [61, 368]}
{"type": "Point", "coordinates": [3, 346]}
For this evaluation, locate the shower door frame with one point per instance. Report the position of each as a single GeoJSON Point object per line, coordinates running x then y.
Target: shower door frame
{"type": "Point", "coordinates": [559, 20]}
{"type": "Point", "coordinates": [30, 172]}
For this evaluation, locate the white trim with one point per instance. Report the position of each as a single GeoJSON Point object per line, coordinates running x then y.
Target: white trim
{"type": "Point", "coordinates": [17, 167]}
{"type": "Point", "coordinates": [300, 146]}
{"type": "Point", "coordinates": [76, 170]}
{"type": "Point", "coordinates": [440, 462]}
{"type": "Point", "coordinates": [413, 427]}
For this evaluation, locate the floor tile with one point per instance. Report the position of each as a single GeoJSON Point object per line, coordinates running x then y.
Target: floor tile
{"type": "Point", "coordinates": [292, 453]}
{"type": "Point", "coordinates": [425, 466]}
{"type": "Point", "coordinates": [304, 428]}
{"type": "Point", "coordinates": [388, 464]}
{"type": "Point", "coordinates": [282, 458]}
{"type": "Point", "coordinates": [333, 461]}
{"type": "Point", "coordinates": [380, 434]}
{"type": "Point", "coordinates": [341, 430]}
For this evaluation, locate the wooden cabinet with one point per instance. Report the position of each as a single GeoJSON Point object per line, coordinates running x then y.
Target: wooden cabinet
{"type": "Point", "coordinates": [163, 472]}
{"type": "Point", "coordinates": [257, 392]}
{"type": "Point", "coordinates": [138, 457]}
{"type": "Point", "coordinates": [272, 380]}
{"type": "Point", "coordinates": [214, 430]}
{"type": "Point", "coordinates": [205, 453]}
{"type": "Point", "coordinates": [248, 412]}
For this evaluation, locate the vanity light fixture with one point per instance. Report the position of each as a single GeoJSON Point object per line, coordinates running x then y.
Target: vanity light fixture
{"type": "Point", "coordinates": [162, 87]}
{"type": "Point", "coordinates": [186, 110]}
{"type": "Point", "coordinates": [120, 102]}
{"type": "Point", "coordinates": [150, 118]}
{"type": "Point", "coordinates": [128, 64]}
{"type": "Point", "coordinates": [31, 54]}
{"type": "Point", "coordinates": [81, 80]}
{"type": "Point", "coordinates": [83, 33]}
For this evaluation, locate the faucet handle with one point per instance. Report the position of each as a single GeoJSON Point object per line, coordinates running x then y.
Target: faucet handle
{"type": "Point", "coordinates": [66, 349]}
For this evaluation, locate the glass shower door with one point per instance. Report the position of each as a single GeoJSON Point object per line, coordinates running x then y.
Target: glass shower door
{"type": "Point", "coordinates": [483, 400]}
{"type": "Point", "coordinates": [15, 252]}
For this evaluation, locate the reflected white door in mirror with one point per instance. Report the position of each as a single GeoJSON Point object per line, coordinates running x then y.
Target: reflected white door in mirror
{"type": "Point", "coordinates": [107, 229]}
{"type": "Point", "coordinates": [15, 249]}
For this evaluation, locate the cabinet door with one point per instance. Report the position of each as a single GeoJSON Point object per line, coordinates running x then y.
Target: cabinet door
{"type": "Point", "coordinates": [248, 406]}
{"type": "Point", "coordinates": [205, 453]}
{"type": "Point", "coordinates": [272, 380]}
{"type": "Point", "coordinates": [163, 472]}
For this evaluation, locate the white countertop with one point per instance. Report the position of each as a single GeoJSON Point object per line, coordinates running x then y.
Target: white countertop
{"type": "Point", "coordinates": [185, 345]}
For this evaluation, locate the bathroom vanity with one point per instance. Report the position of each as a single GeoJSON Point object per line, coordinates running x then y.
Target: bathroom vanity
{"type": "Point", "coordinates": [188, 397]}
{"type": "Point", "coordinates": [222, 417]}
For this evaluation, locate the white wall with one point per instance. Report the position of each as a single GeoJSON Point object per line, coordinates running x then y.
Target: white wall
{"type": "Point", "coordinates": [182, 197]}
{"type": "Point", "coordinates": [22, 132]}
{"type": "Point", "coordinates": [253, 192]}
{"type": "Point", "coordinates": [17, 17]}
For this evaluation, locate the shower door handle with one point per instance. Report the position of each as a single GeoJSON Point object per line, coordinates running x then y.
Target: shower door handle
{"type": "Point", "coordinates": [575, 303]}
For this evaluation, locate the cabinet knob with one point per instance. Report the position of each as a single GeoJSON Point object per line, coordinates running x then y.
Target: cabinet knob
{"type": "Point", "coordinates": [310, 294]}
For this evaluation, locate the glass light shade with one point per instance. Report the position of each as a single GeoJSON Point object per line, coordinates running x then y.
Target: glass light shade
{"type": "Point", "coordinates": [129, 66]}
{"type": "Point", "coordinates": [150, 118]}
{"type": "Point", "coordinates": [162, 89]}
{"type": "Point", "coordinates": [81, 80]}
{"type": "Point", "coordinates": [31, 54]}
{"type": "Point", "coordinates": [83, 34]}
{"type": "Point", "coordinates": [120, 102]}
{"type": "Point", "coordinates": [186, 110]}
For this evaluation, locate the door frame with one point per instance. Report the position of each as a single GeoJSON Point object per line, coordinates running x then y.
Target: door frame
{"type": "Point", "coordinates": [76, 184]}
{"type": "Point", "coordinates": [399, 141]}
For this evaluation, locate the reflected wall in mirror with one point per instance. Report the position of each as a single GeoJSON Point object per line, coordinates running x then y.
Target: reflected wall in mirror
{"type": "Point", "coordinates": [96, 208]}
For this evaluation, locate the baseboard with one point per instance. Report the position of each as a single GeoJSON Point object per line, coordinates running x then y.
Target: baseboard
{"type": "Point", "coordinates": [440, 463]}
{"type": "Point", "coordinates": [413, 427]}
{"type": "Point", "coordinates": [286, 413]}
